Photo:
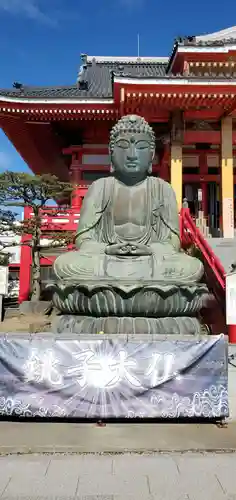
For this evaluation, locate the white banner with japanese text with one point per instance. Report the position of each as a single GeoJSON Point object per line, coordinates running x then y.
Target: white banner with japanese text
{"type": "Point", "coordinates": [47, 376]}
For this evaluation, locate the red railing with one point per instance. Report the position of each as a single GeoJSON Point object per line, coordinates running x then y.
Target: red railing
{"type": "Point", "coordinates": [190, 234]}
{"type": "Point", "coordinates": [54, 219]}
{"type": "Point", "coordinates": [214, 316]}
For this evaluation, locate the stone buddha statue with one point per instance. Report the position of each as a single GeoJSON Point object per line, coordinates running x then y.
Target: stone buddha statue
{"type": "Point", "coordinates": [128, 261]}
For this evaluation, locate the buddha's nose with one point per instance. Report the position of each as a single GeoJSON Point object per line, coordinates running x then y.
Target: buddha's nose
{"type": "Point", "coordinates": [132, 153]}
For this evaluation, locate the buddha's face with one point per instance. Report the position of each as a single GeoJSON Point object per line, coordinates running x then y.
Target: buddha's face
{"type": "Point", "coordinates": [132, 155]}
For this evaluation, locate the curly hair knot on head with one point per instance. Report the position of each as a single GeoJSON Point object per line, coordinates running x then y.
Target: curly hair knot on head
{"type": "Point", "coordinates": [132, 124]}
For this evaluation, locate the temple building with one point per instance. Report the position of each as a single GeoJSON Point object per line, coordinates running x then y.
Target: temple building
{"type": "Point", "coordinates": [189, 98]}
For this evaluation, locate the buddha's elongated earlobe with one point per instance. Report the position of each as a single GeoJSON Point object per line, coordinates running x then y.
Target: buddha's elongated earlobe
{"type": "Point", "coordinates": [150, 166]}
{"type": "Point", "coordinates": [111, 165]}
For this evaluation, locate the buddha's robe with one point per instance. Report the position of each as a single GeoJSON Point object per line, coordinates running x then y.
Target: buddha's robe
{"type": "Point", "coordinates": [146, 214]}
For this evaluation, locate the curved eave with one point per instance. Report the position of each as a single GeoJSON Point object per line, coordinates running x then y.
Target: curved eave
{"type": "Point", "coordinates": [155, 97]}
{"type": "Point", "coordinates": [199, 48]}
{"type": "Point", "coordinates": [57, 109]}
{"type": "Point", "coordinates": [172, 58]}
{"type": "Point", "coordinates": [176, 92]}
{"type": "Point", "coordinates": [183, 100]}
{"type": "Point", "coordinates": [60, 102]}
{"type": "Point", "coordinates": [175, 81]}
{"type": "Point", "coordinates": [222, 48]}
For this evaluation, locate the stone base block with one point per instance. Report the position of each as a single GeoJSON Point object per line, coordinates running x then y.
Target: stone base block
{"type": "Point", "coordinates": [114, 325]}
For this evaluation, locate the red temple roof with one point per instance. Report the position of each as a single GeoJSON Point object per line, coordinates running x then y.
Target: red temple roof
{"type": "Point", "coordinates": [199, 78]}
{"type": "Point", "coordinates": [96, 76]}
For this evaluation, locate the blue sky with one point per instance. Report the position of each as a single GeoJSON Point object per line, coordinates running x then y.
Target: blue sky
{"type": "Point", "coordinates": [41, 40]}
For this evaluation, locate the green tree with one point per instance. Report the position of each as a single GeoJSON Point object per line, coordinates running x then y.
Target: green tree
{"type": "Point", "coordinates": [35, 191]}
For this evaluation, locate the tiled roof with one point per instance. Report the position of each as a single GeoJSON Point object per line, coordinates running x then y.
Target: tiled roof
{"type": "Point", "coordinates": [223, 37]}
{"type": "Point", "coordinates": [191, 41]}
{"type": "Point", "coordinates": [98, 76]}
{"type": "Point", "coordinates": [219, 38]}
{"type": "Point", "coordinates": [70, 91]}
{"type": "Point", "coordinates": [95, 80]}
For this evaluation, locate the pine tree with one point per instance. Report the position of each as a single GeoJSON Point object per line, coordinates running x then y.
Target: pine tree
{"type": "Point", "coordinates": [35, 191]}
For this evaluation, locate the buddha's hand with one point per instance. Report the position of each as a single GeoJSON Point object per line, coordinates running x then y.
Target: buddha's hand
{"type": "Point", "coordinates": [125, 249]}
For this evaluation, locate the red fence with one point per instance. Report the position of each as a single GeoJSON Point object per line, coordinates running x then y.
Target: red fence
{"type": "Point", "coordinates": [54, 219]}
{"type": "Point", "coordinates": [213, 316]}
{"type": "Point", "coordinates": [190, 234]}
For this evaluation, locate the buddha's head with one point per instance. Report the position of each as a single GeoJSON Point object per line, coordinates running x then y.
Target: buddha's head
{"type": "Point", "coordinates": [132, 149]}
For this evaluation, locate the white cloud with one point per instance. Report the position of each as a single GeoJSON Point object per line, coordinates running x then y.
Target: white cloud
{"type": "Point", "coordinates": [5, 161]}
{"type": "Point", "coordinates": [27, 8]}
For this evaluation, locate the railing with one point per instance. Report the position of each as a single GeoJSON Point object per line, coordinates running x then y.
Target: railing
{"type": "Point", "coordinates": [213, 315]}
{"type": "Point", "coordinates": [54, 219]}
{"type": "Point", "coordinates": [190, 234]}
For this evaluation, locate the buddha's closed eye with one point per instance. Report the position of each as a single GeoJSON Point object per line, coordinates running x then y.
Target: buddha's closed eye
{"type": "Point", "coordinates": [123, 144]}
{"type": "Point", "coordinates": [142, 145]}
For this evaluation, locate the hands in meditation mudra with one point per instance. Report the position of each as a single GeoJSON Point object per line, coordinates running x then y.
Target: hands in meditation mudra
{"type": "Point", "coordinates": [128, 261]}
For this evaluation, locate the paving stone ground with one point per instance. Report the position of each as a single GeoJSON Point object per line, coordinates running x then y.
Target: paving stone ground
{"type": "Point", "coordinates": [188, 476]}
{"type": "Point", "coordinates": [118, 437]}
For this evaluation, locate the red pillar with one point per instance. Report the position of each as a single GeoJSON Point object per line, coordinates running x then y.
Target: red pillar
{"type": "Point", "coordinates": [203, 167]}
{"type": "Point", "coordinates": [25, 263]}
{"type": "Point", "coordinates": [76, 200]}
{"type": "Point", "coordinates": [232, 334]}
{"type": "Point", "coordinates": [75, 177]}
